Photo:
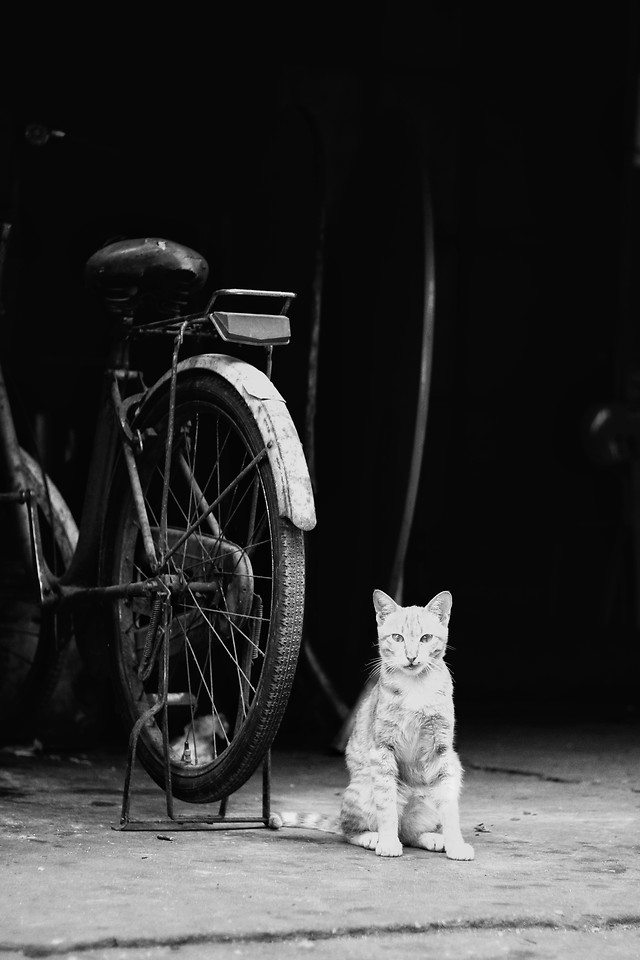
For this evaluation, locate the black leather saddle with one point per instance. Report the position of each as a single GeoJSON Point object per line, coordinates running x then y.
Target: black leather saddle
{"type": "Point", "coordinates": [129, 271]}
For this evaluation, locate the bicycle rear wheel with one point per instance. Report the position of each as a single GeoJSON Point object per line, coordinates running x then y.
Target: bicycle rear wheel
{"type": "Point", "coordinates": [236, 580]}
{"type": "Point", "coordinates": [31, 656]}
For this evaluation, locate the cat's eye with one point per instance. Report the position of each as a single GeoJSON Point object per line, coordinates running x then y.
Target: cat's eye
{"type": "Point", "coordinates": [397, 637]}
{"type": "Point", "coordinates": [426, 637]}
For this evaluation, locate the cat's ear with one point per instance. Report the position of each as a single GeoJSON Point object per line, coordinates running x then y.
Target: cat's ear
{"type": "Point", "coordinates": [441, 606]}
{"type": "Point", "coordinates": [383, 604]}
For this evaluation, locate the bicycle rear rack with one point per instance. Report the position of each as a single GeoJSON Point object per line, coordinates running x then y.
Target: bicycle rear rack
{"type": "Point", "coordinates": [172, 821]}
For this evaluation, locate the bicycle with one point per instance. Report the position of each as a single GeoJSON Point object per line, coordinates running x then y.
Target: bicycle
{"type": "Point", "coordinates": [192, 528]}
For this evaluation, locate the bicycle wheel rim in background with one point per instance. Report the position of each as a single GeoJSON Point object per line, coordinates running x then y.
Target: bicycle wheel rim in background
{"type": "Point", "coordinates": [226, 438]}
{"type": "Point", "coordinates": [31, 656]}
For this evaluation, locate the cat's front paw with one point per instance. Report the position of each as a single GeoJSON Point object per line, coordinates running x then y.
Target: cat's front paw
{"type": "Point", "coordinates": [367, 840]}
{"type": "Point", "coordinates": [431, 841]}
{"type": "Point", "coordinates": [388, 847]}
{"type": "Point", "coordinates": [460, 851]}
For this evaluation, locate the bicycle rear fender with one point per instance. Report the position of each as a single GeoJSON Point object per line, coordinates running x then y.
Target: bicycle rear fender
{"type": "Point", "coordinates": [288, 463]}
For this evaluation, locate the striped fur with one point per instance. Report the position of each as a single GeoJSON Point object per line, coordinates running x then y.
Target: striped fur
{"type": "Point", "coordinates": [307, 821]}
{"type": "Point", "coordinates": [405, 776]}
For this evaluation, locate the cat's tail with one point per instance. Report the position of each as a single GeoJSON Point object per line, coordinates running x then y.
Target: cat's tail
{"type": "Point", "coordinates": [307, 821]}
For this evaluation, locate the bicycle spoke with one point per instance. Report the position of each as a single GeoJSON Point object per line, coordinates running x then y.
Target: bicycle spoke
{"type": "Point", "coordinates": [209, 690]}
{"type": "Point", "coordinates": [222, 644]}
{"type": "Point", "coordinates": [212, 511]}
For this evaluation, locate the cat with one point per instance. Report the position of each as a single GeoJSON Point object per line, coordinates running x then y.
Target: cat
{"type": "Point", "coordinates": [405, 776]}
{"type": "Point", "coordinates": [195, 744]}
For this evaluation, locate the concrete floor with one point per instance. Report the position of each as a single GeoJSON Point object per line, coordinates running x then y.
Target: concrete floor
{"type": "Point", "coordinates": [553, 813]}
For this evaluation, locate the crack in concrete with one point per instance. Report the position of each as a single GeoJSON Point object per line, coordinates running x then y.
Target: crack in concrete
{"type": "Point", "coordinates": [516, 772]}
{"type": "Point", "coordinates": [590, 924]}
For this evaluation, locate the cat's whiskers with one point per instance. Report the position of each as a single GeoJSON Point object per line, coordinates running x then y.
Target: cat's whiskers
{"type": "Point", "coordinates": [375, 668]}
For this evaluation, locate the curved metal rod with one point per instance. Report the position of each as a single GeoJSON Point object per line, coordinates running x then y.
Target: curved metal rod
{"type": "Point", "coordinates": [428, 320]}
{"type": "Point", "coordinates": [426, 354]}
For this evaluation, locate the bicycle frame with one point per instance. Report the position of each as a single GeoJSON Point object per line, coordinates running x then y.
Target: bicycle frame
{"type": "Point", "coordinates": [115, 435]}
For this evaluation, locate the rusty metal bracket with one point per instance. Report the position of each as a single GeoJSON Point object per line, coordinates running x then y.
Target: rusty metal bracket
{"type": "Point", "coordinates": [41, 570]}
{"type": "Point", "coordinates": [132, 445]}
{"type": "Point", "coordinates": [121, 407]}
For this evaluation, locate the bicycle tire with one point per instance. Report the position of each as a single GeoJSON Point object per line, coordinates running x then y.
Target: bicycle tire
{"type": "Point", "coordinates": [231, 664]}
{"type": "Point", "coordinates": [31, 656]}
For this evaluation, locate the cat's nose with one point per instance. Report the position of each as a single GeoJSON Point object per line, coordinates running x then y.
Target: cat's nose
{"type": "Point", "coordinates": [411, 659]}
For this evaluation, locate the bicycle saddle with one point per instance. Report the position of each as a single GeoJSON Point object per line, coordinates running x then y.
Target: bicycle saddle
{"type": "Point", "coordinates": [128, 270]}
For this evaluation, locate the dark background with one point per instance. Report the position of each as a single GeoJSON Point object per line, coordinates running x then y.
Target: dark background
{"type": "Point", "coordinates": [525, 132]}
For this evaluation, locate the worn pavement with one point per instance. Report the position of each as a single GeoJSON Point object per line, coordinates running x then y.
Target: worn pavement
{"type": "Point", "coordinates": [553, 813]}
